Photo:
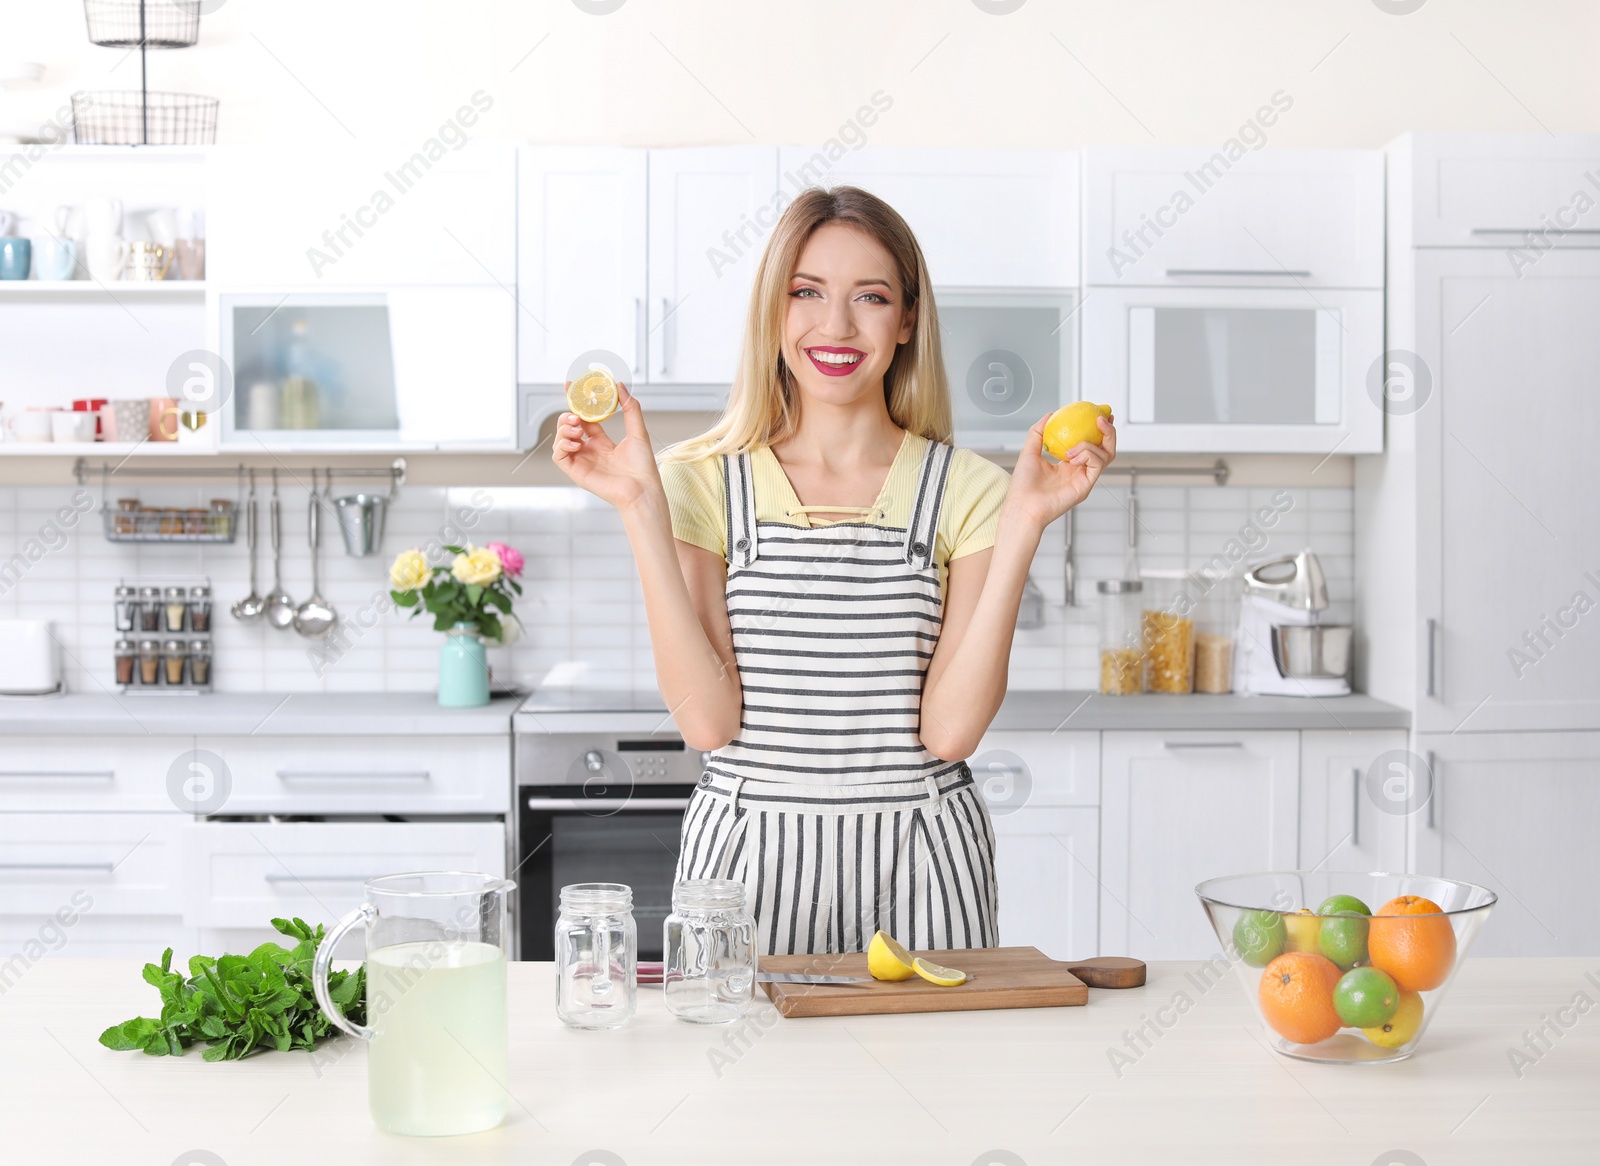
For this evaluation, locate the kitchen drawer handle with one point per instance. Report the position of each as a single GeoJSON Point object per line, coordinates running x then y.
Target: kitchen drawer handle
{"type": "Point", "coordinates": [1433, 786]}
{"type": "Point", "coordinates": [334, 775]}
{"type": "Point", "coordinates": [1433, 656]}
{"type": "Point", "coordinates": [1557, 231]}
{"type": "Point", "coordinates": [97, 867]}
{"type": "Point", "coordinates": [34, 774]}
{"type": "Point", "coordinates": [666, 335]}
{"type": "Point", "coordinates": [1181, 271]}
{"type": "Point", "coordinates": [581, 804]}
{"type": "Point", "coordinates": [1204, 744]}
{"type": "Point", "coordinates": [641, 337]}
{"type": "Point", "coordinates": [314, 878]}
{"type": "Point", "coordinates": [1355, 806]}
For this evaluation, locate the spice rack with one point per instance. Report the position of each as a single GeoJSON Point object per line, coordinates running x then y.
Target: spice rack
{"type": "Point", "coordinates": [163, 625]}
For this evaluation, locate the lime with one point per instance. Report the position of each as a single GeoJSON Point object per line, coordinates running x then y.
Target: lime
{"type": "Point", "coordinates": [1259, 936]}
{"type": "Point", "coordinates": [1343, 905]}
{"type": "Point", "coordinates": [1343, 940]}
{"type": "Point", "coordinates": [1401, 1028]}
{"type": "Point", "coordinates": [1365, 998]}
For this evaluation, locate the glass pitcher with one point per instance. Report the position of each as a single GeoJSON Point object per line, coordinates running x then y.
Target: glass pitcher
{"type": "Point", "coordinates": [436, 1000]}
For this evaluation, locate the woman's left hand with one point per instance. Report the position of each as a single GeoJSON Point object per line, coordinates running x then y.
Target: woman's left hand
{"type": "Point", "coordinates": [1043, 490]}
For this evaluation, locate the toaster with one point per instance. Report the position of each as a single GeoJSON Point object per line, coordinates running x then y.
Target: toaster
{"type": "Point", "coordinates": [30, 661]}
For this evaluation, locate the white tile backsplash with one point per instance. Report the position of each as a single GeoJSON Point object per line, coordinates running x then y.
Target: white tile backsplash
{"type": "Point", "coordinates": [581, 604]}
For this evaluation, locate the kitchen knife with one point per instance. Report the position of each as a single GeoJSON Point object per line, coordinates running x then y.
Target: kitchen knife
{"type": "Point", "coordinates": [808, 978]}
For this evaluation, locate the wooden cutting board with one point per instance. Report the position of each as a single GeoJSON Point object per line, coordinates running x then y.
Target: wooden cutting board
{"type": "Point", "coordinates": [997, 977]}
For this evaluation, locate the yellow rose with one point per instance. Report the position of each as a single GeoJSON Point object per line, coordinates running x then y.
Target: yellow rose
{"type": "Point", "coordinates": [409, 571]}
{"type": "Point", "coordinates": [479, 565]}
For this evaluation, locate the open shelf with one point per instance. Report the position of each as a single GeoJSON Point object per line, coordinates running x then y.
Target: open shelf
{"type": "Point", "coordinates": [92, 289]}
{"type": "Point", "coordinates": [109, 449]}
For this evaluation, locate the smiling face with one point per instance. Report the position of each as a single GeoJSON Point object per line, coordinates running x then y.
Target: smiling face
{"type": "Point", "coordinates": [846, 316]}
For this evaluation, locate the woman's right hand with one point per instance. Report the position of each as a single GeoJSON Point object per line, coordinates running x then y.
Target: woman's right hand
{"type": "Point", "coordinates": [621, 472]}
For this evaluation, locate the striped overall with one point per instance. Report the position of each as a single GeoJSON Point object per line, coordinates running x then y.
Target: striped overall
{"type": "Point", "coordinates": [826, 805]}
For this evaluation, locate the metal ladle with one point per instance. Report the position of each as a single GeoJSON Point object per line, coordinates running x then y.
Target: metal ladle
{"type": "Point", "coordinates": [315, 616]}
{"type": "Point", "coordinates": [249, 609]}
{"type": "Point", "coordinates": [280, 608]}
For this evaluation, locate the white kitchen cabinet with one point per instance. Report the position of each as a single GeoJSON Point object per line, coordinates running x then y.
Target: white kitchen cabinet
{"type": "Point", "coordinates": [67, 774]}
{"type": "Point", "coordinates": [1354, 801]}
{"type": "Point", "coordinates": [1201, 217]}
{"type": "Point", "coordinates": [1500, 191]}
{"type": "Point", "coordinates": [351, 215]}
{"type": "Point", "coordinates": [1515, 812]}
{"type": "Point", "coordinates": [126, 863]}
{"type": "Point", "coordinates": [710, 212]}
{"type": "Point", "coordinates": [1026, 202]}
{"type": "Point", "coordinates": [581, 259]}
{"type": "Point", "coordinates": [1178, 808]}
{"type": "Point", "coordinates": [1046, 863]}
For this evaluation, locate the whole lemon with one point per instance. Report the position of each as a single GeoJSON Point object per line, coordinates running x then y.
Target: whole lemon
{"type": "Point", "coordinates": [1072, 424]}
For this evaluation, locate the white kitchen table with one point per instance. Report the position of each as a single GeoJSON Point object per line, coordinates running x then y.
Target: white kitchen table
{"type": "Point", "coordinates": [1016, 1087]}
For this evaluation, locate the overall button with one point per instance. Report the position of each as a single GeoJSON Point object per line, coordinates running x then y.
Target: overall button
{"type": "Point", "coordinates": [919, 548]}
{"type": "Point", "coordinates": [705, 781]}
{"type": "Point", "coordinates": [742, 545]}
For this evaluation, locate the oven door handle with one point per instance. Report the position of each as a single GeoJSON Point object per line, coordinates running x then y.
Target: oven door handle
{"type": "Point", "coordinates": [581, 804]}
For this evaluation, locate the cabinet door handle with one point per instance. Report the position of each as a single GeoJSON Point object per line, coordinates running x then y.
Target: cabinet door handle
{"type": "Point", "coordinates": [667, 327]}
{"type": "Point", "coordinates": [335, 775]}
{"type": "Point", "coordinates": [1433, 786]}
{"type": "Point", "coordinates": [1557, 231]}
{"type": "Point", "coordinates": [34, 774]}
{"type": "Point", "coordinates": [1433, 656]}
{"type": "Point", "coordinates": [97, 867]}
{"type": "Point", "coordinates": [578, 805]}
{"type": "Point", "coordinates": [640, 336]}
{"type": "Point", "coordinates": [1248, 271]}
{"type": "Point", "coordinates": [314, 878]}
{"type": "Point", "coordinates": [1355, 806]}
{"type": "Point", "coordinates": [1204, 744]}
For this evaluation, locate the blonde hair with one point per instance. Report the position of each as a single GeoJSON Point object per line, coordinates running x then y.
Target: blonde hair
{"type": "Point", "coordinates": [763, 405]}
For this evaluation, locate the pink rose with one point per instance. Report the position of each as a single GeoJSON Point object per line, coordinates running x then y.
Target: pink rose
{"type": "Point", "coordinates": [511, 560]}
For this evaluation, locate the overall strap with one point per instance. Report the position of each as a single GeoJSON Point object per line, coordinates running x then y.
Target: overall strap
{"type": "Point", "coordinates": [924, 524]}
{"type": "Point", "coordinates": [739, 506]}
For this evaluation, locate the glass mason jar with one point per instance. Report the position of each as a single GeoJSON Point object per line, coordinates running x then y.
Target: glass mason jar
{"type": "Point", "coordinates": [1121, 636]}
{"type": "Point", "coordinates": [710, 946]}
{"type": "Point", "coordinates": [597, 951]}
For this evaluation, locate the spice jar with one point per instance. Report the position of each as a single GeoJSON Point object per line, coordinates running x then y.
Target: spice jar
{"type": "Point", "coordinates": [199, 609]}
{"type": "Point", "coordinates": [127, 608]}
{"type": "Point", "coordinates": [1121, 638]}
{"type": "Point", "coordinates": [177, 605]}
{"type": "Point", "coordinates": [149, 609]}
{"type": "Point", "coordinates": [710, 945]}
{"type": "Point", "coordinates": [200, 663]}
{"type": "Point", "coordinates": [174, 653]}
{"type": "Point", "coordinates": [149, 662]}
{"type": "Point", "coordinates": [127, 516]}
{"type": "Point", "coordinates": [126, 657]}
{"type": "Point", "coordinates": [222, 516]}
{"type": "Point", "coordinates": [596, 956]}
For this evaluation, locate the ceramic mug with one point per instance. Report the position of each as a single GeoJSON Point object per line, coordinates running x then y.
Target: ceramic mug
{"type": "Point", "coordinates": [103, 216]}
{"type": "Point", "coordinates": [147, 261]}
{"type": "Point", "coordinates": [34, 425]}
{"type": "Point", "coordinates": [16, 256]}
{"type": "Point", "coordinates": [125, 421]}
{"type": "Point", "coordinates": [55, 258]}
{"type": "Point", "coordinates": [70, 221]}
{"type": "Point", "coordinates": [105, 256]}
{"type": "Point", "coordinates": [163, 419]}
{"type": "Point", "coordinates": [72, 426]}
{"type": "Point", "coordinates": [163, 225]}
{"type": "Point", "coordinates": [191, 258]}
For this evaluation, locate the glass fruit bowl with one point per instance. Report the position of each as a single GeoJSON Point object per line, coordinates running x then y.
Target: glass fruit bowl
{"type": "Point", "coordinates": [1342, 966]}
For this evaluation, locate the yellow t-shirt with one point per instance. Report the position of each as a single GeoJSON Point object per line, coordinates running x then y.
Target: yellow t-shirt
{"type": "Point", "coordinates": [973, 494]}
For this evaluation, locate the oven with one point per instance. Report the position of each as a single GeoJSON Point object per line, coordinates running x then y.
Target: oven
{"type": "Point", "coordinates": [597, 807]}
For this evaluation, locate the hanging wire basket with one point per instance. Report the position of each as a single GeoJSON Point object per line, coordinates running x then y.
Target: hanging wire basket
{"type": "Point", "coordinates": [155, 24]}
{"type": "Point", "coordinates": [116, 117]}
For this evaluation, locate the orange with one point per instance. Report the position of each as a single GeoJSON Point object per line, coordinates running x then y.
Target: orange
{"type": "Point", "coordinates": [1296, 997]}
{"type": "Point", "coordinates": [1413, 941]}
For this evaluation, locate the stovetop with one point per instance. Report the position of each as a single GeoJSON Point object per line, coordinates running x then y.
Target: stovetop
{"type": "Point", "coordinates": [594, 700]}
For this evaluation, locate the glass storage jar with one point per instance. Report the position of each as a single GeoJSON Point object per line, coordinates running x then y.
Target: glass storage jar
{"type": "Point", "coordinates": [174, 654]}
{"type": "Point", "coordinates": [199, 609]}
{"type": "Point", "coordinates": [149, 609]}
{"type": "Point", "coordinates": [709, 942]}
{"type": "Point", "coordinates": [1216, 623]}
{"type": "Point", "coordinates": [200, 663]}
{"type": "Point", "coordinates": [1121, 638]}
{"type": "Point", "coordinates": [127, 658]}
{"type": "Point", "coordinates": [149, 662]}
{"type": "Point", "coordinates": [176, 606]}
{"type": "Point", "coordinates": [597, 949]}
{"type": "Point", "coordinates": [127, 608]}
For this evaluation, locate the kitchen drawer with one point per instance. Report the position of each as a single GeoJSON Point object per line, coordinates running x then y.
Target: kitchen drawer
{"type": "Point", "coordinates": [88, 773]}
{"type": "Point", "coordinates": [365, 775]}
{"type": "Point", "coordinates": [127, 864]}
{"type": "Point", "coordinates": [242, 874]}
{"type": "Point", "coordinates": [76, 933]}
{"type": "Point", "coordinates": [1494, 190]}
{"type": "Point", "coordinates": [1017, 769]}
{"type": "Point", "coordinates": [1187, 217]}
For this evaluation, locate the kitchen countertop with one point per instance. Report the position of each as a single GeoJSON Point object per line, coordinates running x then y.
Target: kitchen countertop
{"type": "Point", "coordinates": [243, 714]}
{"type": "Point", "coordinates": [622, 711]}
{"type": "Point", "coordinates": [1030, 1087]}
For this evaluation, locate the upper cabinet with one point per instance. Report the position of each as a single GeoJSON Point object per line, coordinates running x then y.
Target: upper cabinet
{"type": "Point", "coordinates": [984, 218]}
{"type": "Point", "coordinates": [1504, 191]}
{"type": "Point", "coordinates": [1234, 302]}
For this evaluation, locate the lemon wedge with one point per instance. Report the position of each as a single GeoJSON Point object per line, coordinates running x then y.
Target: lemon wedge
{"type": "Point", "coordinates": [887, 959]}
{"type": "Point", "coordinates": [593, 396]}
{"type": "Point", "coordinates": [934, 974]}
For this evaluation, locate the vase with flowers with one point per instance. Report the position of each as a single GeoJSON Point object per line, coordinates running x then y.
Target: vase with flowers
{"type": "Point", "coordinates": [470, 601]}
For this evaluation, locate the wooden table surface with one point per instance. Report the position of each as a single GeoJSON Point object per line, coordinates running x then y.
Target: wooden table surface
{"type": "Point", "coordinates": [967, 1089]}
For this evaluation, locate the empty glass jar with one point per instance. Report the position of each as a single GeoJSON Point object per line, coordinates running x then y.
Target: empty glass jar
{"type": "Point", "coordinates": [1121, 638]}
{"type": "Point", "coordinates": [597, 948]}
{"type": "Point", "coordinates": [710, 946]}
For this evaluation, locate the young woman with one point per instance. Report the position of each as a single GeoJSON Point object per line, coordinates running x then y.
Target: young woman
{"type": "Point", "coordinates": [832, 592]}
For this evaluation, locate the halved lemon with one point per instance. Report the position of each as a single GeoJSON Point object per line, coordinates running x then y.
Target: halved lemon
{"type": "Point", "coordinates": [593, 396]}
{"type": "Point", "coordinates": [934, 974]}
{"type": "Point", "coordinates": [887, 959]}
